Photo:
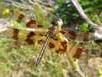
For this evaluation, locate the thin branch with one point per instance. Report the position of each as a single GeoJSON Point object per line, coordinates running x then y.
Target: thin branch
{"type": "Point", "coordinates": [82, 13]}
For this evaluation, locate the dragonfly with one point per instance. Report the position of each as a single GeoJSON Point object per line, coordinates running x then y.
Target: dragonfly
{"type": "Point", "coordinates": [54, 35]}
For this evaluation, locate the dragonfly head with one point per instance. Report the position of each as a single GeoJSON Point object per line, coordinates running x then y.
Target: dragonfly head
{"type": "Point", "coordinates": [57, 22]}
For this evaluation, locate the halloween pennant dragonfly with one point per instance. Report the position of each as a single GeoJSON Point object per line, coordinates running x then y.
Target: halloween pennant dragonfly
{"type": "Point", "coordinates": [54, 37]}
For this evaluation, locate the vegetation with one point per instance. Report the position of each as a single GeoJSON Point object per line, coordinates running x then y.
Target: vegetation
{"type": "Point", "coordinates": [30, 25]}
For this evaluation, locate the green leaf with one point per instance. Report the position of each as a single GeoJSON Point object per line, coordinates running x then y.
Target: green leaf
{"type": "Point", "coordinates": [84, 27]}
